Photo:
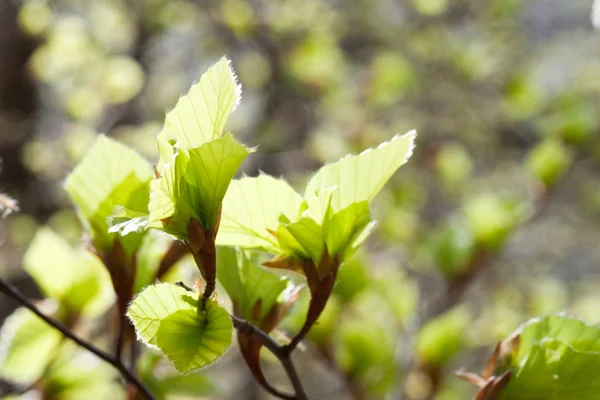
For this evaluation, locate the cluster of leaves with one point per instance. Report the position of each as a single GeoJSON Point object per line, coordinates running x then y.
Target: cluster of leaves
{"type": "Point", "coordinates": [358, 81]}
{"type": "Point", "coordinates": [193, 199]}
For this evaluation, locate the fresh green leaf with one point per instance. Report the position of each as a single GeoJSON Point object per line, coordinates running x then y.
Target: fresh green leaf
{"type": "Point", "coordinates": [552, 369]}
{"type": "Point", "coordinates": [110, 175]}
{"type": "Point", "coordinates": [252, 207]}
{"type": "Point", "coordinates": [27, 345]}
{"type": "Point", "coordinates": [75, 278]}
{"type": "Point", "coordinates": [343, 230]}
{"type": "Point", "coordinates": [149, 256]}
{"type": "Point", "coordinates": [358, 178]}
{"type": "Point", "coordinates": [303, 239]}
{"type": "Point", "coordinates": [168, 318]}
{"type": "Point", "coordinates": [574, 332]}
{"type": "Point", "coordinates": [253, 289]}
{"type": "Point", "coordinates": [200, 116]}
{"type": "Point", "coordinates": [193, 185]}
{"type": "Point", "coordinates": [124, 221]}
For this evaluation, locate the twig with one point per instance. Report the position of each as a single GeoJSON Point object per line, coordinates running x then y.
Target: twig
{"type": "Point", "coordinates": [127, 374]}
{"type": "Point", "coordinates": [278, 351]}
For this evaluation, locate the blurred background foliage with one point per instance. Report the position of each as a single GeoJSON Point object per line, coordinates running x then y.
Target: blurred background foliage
{"type": "Point", "coordinates": [495, 218]}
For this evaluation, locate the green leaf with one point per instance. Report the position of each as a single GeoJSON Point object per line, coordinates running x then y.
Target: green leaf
{"type": "Point", "coordinates": [303, 239]}
{"type": "Point", "coordinates": [556, 359]}
{"type": "Point", "coordinates": [110, 175]}
{"type": "Point", "coordinates": [124, 221]}
{"type": "Point", "coordinates": [27, 345]}
{"type": "Point", "coordinates": [75, 278]}
{"type": "Point", "coordinates": [343, 230]}
{"type": "Point", "coordinates": [193, 185]}
{"type": "Point", "coordinates": [248, 284]}
{"type": "Point", "coordinates": [358, 178]}
{"type": "Point", "coordinates": [167, 317]}
{"type": "Point", "coordinates": [574, 332]}
{"type": "Point", "coordinates": [252, 206]}
{"type": "Point", "coordinates": [149, 256]}
{"type": "Point", "coordinates": [200, 116]}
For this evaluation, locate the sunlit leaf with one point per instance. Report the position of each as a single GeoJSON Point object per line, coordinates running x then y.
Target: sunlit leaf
{"type": "Point", "coordinates": [110, 175]}
{"type": "Point", "coordinates": [557, 359]}
{"type": "Point", "coordinates": [27, 345]}
{"type": "Point", "coordinates": [126, 221]}
{"type": "Point", "coordinates": [343, 230]}
{"type": "Point", "coordinates": [358, 178]}
{"type": "Point", "coordinates": [303, 238]}
{"type": "Point", "coordinates": [168, 318]}
{"type": "Point", "coordinates": [193, 185]}
{"type": "Point", "coordinates": [201, 115]}
{"type": "Point", "coordinates": [73, 277]}
{"type": "Point", "coordinates": [253, 289]}
{"type": "Point", "coordinates": [252, 206]}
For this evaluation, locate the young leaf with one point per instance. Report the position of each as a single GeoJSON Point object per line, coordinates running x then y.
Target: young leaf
{"type": "Point", "coordinates": [193, 185]}
{"type": "Point", "coordinates": [252, 207]}
{"type": "Point", "coordinates": [253, 290]}
{"type": "Point", "coordinates": [27, 345]}
{"type": "Point", "coordinates": [358, 178]}
{"type": "Point", "coordinates": [555, 359]}
{"type": "Point", "coordinates": [75, 278]}
{"type": "Point", "coordinates": [110, 175]}
{"type": "Point", "coordinates": [201, 115]}
{"type": "Point", "coordinates": [168, 318]}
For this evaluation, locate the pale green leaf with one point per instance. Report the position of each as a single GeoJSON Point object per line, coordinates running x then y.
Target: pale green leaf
{"type": "Point", "coordinates": [73, 277]}
{"type": "Point", "coordinates": [358, 178]}
{"type": "Point", "coordinates": [201, 115]}
{"type": "Point", "coordinates": [167, 317]}
{"type": "Point", "coordinates": [124, 221]}
{"type": "Point", "coordinates": [249, 284]}
{"type": "Point", "coordinates": [110, 175]}
{"type": "Point", "coordinates": [556, 360]}
{"type": "Point", "coordinates": [252, 206]}
{"type": "Point", "coordinates": [342, 229]}
{"type": "Point", "coordinates": [576, 333]}
{"type": "Point", "coordinates": [27, 345]}
{"type": "Point", "coordinates": [149, 256]}
{"type": "Point", "coordinates": [194, 184]}
{"type": "Point", "coordinates": [303, 239]}
{"type": "Point", "coordinates": [554, 370]}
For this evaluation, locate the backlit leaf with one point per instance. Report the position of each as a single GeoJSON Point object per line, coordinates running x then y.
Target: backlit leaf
{"type": "Point", "coordinates": [201, 115]}
{"type": "Point", "coordinates": [193, 185]}
{"type": "Point", "coordinates": [358, 178]}
{"type": "Point", "coordinates": [167, 317]}
{"type": "Point", "coordinates": [252, 206]}
{"type": "Point", "coordinates": [110, 175]}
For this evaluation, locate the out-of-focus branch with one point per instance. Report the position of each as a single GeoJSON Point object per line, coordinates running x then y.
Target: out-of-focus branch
{"type": "Point", "coordinates": [127, 374]}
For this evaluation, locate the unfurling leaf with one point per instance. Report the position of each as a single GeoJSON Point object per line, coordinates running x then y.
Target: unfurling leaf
{"type": "Point", "coordinates": [73, 277]}
{"type": "Point", "coordinates": [171, 319]}
{"type": "Point", "coordinates": [200, 116]}
{"type": "Point", "coordinates": [110, 175]}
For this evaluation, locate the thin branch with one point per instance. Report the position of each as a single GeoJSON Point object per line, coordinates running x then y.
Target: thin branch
{"type": "Point", "coordinates": [278, 351]}
{"type": "Point", "coordinates": [127, 374]}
